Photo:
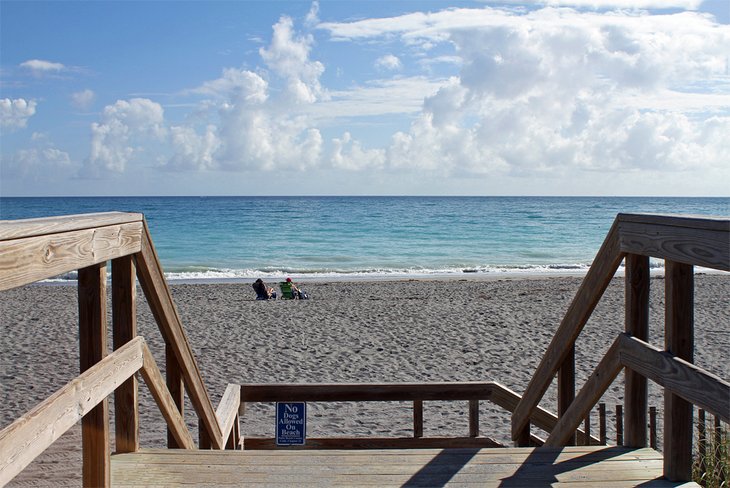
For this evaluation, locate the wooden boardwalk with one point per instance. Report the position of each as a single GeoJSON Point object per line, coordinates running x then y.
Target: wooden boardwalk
{"type": "Point", "coordinates": [582, 466]}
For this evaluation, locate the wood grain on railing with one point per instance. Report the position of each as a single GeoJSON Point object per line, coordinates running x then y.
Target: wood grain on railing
{"type": "Point", "coordinates": [30, 259]}
{"type": "Point", "coordinates": [696, 240]}
{"type": "Point", "coordinates": [153, 283]}
{"type": "Point", "coordinates": [594, 387]}
{"type": "Point", "coordinates": [599, 275]}
{"type": "Point", "coordinates": [16, 229]}
{"type": "Point", "coordinates": [227, 411]}
{"type": "Point", "coordinates": [124, 324]}
{"type": "Point", "coordinates": [156, 383]}
{"type": "Point", "coordinates": [27, 437]}
{"type": "Point", "coordinates": [683, 378]}
{"type": "Point", "coordinates": [636, 323]}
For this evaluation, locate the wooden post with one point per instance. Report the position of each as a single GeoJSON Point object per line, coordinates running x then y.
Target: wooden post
{"type": "Point", "coordinates": [587, 429]}
{"type": "Point", "coordinates": [124, 320]}
{"type": "Point", "coordinates": [176, 387]}
{"type": "Point", "coordinates": [417, 418]}
{"type": "Point", "coordinates": [652, 427]}
{"type": "Point", "coordinates": [473, 418]}
{"type": "Point", "coordinates": [718, 442]}
{"type": "Point", "coordinates": [523, 439]}
{"type": "Point", "coordinates": [566, 387]}
{"type": "Point", "coordinates": [679, 341]}
{"type": "Point", "coordinates": [619, 425]}
{"type": "Point", "coordinates": [602, 423]}
{"type": "Point", "coordinates": [637, 324]}
{"type": "Point", "coordinates": [92, 349]}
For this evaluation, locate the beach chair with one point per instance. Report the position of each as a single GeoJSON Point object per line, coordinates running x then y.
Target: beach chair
{"type": "Point", "coordinates": [286, 290]}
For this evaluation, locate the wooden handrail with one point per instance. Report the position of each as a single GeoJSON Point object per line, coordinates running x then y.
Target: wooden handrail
{"type": "Point", "coordinates": [31, 434]}
{"type": "Point", "coordinates": [345, 392]}
{"type": "Point", "coordinates": [227, 411]}
{"type": "Point", "coordinates": [153, 283]}
{"type": "Point", "coordinates": [595, 283]}
{"type": "Point", "coordinates": [693, 240]}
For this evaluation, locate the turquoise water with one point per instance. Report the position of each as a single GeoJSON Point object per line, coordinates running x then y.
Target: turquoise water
{"type": "Point", "coordinates": [248, 237]}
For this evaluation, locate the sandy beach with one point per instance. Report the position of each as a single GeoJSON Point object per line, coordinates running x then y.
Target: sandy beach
{"type": "Point", "coordinates": [385, 331]}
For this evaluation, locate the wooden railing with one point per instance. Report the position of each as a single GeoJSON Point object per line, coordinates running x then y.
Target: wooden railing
{"type": "Point", "coordinates": [36, 249]}
{"type": "Point", "coordinates": [683, 242]}
{"type": "Point", "coordinates": [417, 393]}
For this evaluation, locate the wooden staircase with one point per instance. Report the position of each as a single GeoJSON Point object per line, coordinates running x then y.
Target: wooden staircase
{"type": "Point", "coordinates": [37, 249]}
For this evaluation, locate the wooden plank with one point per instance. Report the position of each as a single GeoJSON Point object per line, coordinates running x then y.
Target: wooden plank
{"type": "Point", "coordinates": [566, 387]}
{"type": "Point", "coordinates": [682, 378]}
{"type": "Point", "coordinates": [365, 392]}
{"type": "Point", "coordinates": [594, 284]}
{"type": "Point", "coordinates": [701, 222]}
{"type": "Point", "coordinates": [594, 387]}
{"type": "Point", "coordinates": [16, 229]}
{"type": "Point", "coordinates": [253, 443]}
{"type": "Point", "coordinates": [31, 259]}
{"type": "Point", "coordinates": [30, 435]}
{"type": "Point", "coordinates": [679, 341]}
{"type": "Point", "coordinates": [176, 387]}
{"type": "Point", "coordinates": [227, 411]}
{"type": "Point", "coordinates": [156, 384]}
{"type": "Point", "coordinates": [473, 418]}
{"type": "Point", "coordinates": [159, 298]}
{"type": "Point", "coordinates": [636, 393]}
{"type": "Point", "coordinates": [92, 349]}
{"type": "Point", "coordinates": [124, 324]}
{"type": "Point", "coordinates": [708, 247]}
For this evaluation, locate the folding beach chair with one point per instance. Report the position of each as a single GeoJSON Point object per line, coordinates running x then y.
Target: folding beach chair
{"type": "Point", "coordinates": [286, 290]}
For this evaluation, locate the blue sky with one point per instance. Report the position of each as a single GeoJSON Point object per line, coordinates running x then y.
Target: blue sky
{"type": "Point", "coordinates": [560, 97]}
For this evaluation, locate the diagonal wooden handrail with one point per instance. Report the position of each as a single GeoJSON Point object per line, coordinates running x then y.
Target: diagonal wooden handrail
{"type": "Point", "coordinates": [153, 283]}
{"type": "Point", "coordinates": [607, 261]}
{"type": "Point", "coordinates": [31, 434]}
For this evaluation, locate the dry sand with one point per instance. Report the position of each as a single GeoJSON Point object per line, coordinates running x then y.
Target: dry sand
{"type": "Point", "coordinates": [386, 331]}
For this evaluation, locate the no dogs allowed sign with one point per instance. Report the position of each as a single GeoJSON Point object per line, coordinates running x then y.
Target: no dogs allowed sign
{"type": "Point", "coordinates": [291, 423]}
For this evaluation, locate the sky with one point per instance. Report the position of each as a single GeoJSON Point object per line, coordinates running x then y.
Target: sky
{"type": "Point", "coordinates": [554, 97]}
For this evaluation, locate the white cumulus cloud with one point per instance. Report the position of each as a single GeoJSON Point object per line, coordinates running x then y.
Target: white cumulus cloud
{"type": "Point", "coordinates": [39, 67]}
{"type": "Point", "coordinates": [35, 163]}
{"type": "Point", "coordinates": [111, 138]}
{"type": "Point", "coordinates": [14, 113]}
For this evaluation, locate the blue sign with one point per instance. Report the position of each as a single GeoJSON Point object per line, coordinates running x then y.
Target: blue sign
{"type": "Point", "coordinates": [291, 423]}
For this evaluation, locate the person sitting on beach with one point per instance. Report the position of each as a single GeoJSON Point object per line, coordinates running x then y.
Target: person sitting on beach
{"type": "Point", "coordinates": [263, 292]}
{"type": "Point", "coordinates": [296, 292]}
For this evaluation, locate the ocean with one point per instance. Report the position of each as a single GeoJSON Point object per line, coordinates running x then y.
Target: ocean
{"type": "Point", "coordinates": [243, 238]}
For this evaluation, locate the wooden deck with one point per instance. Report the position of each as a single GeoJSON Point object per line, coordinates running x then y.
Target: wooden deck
{"type": "Point", "coordinates": [598, 466]}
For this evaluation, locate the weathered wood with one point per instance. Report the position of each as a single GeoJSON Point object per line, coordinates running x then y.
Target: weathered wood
{"type": "Point", "coordinates": [92, 349]}
{"type": "Point", "coordinates": [31, 259]}
{"type": "Point", "coordinates": [587, 429]}
{"type": "Point", "coordinates": [176, 387]}
{"type": "Point", "coordinates": [473, 418]}
{"type": "Point", "coordinates": [636, 394]}
{"type": "Point", "coordinates": [153, 283]}
{"type": "Point", "coordinates": [156, 384]}
{"type": "Point", "coordinates": [490, 468]}
{"type": "Point", "coordinates": [701, 443]}
{"type": "Point", "coordinates": [27, 437]}
{"type": "Point", "coordinates": [679, 341]}
{"type": "Point", "coordinates": [592, 390]}
{"type": "Point", "coordinates": [17, 229]}
{"type": "Point", "coordinates": [680, 377]}
{"type": "Point", "coordinates": [124, 324]}
{"type": "Point", "coordinates": [255, 443]}
{"type": "Point", "coordinates": [599, 275]}
{"type": "Point", "coordinates": [700, 241]}
{"type": "Point", "coordinates": [227, 411]}
{"type": "Point", "coordinates": [365, 392]}
{"type": "Point", "coordinates": [602, 424]}
{"type": "Point", "coordinates": [566, 387]}
{"type": "Point", "coordinates": [417, 418]}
